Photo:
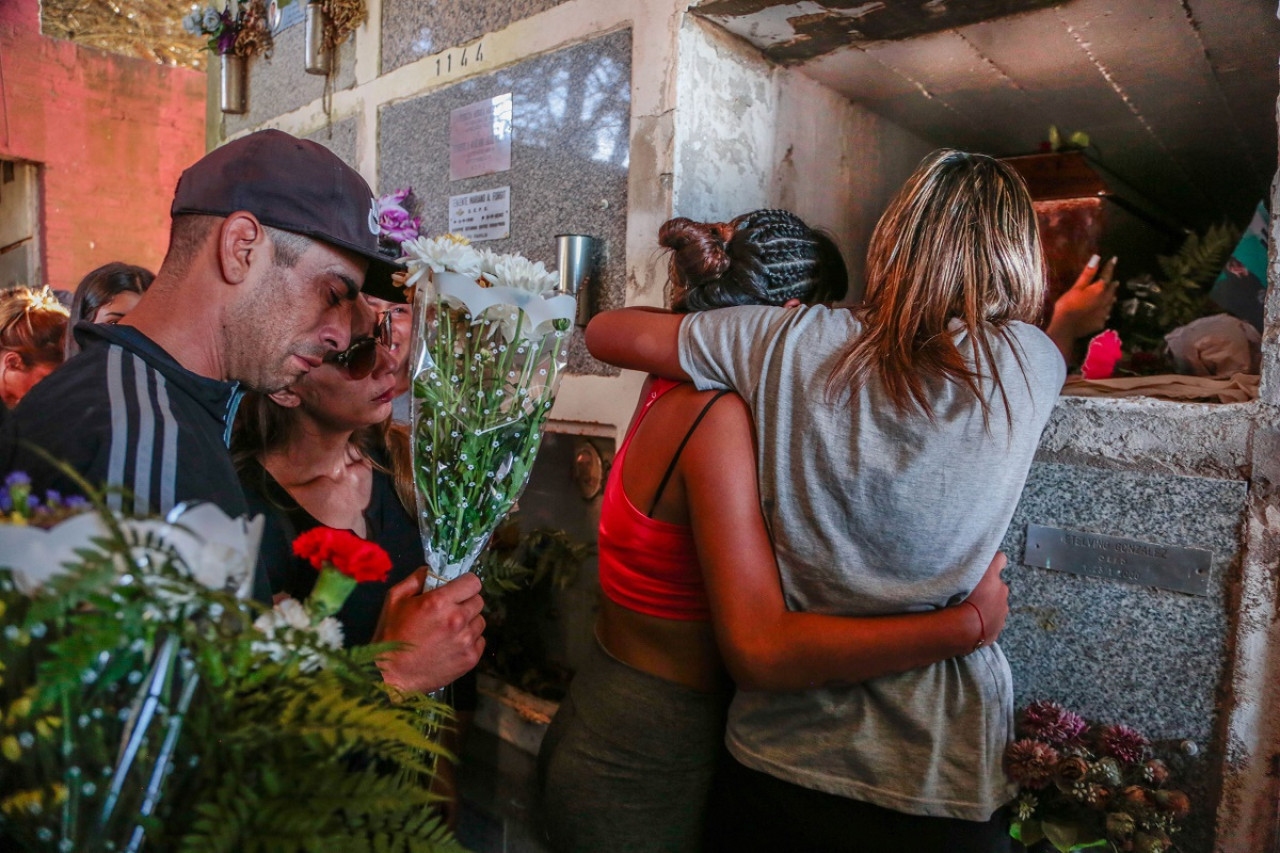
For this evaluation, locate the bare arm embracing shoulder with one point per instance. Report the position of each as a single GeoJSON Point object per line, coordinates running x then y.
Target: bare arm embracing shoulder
{"type": "Point", "coordinates": [766, 646]}
{"type": "Point", "coordinates": [643, 339]}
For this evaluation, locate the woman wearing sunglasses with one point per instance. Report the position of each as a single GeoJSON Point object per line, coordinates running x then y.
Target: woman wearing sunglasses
{"type": "Point", "coordinates": [323, 453]}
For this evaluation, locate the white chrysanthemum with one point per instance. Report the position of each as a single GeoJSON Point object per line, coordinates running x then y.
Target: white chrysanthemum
{"type": "Point", "coordinates": [521, 273]}
{"type": "Point", "coordinates": [448, 253]}
{"type": "Point", "coordinates": [290, 612]}
{"type": "Point", "coordinates": [329, 632]}
{"type": "Point", "coordinates": [267, 624]}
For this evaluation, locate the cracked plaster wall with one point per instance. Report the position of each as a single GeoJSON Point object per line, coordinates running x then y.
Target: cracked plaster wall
{"type": "Point", "coordinates": [750, 134]}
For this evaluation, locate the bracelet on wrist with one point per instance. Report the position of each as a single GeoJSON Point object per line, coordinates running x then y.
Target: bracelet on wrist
{"type": "Point", "coordinates": [982, 626]}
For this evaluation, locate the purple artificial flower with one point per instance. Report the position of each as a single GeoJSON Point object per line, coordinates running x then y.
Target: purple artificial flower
{"type": "Point", "coordinates": [226, 41]}
{"type": "Point", "coordinates": [17, 478]}
{"type": "Point", "coordinates": [396, 198]}
{"type": "Point", "coordinates": [6, 503]}
{"type": "Point", "coordinates": [1050, 721]}
{"type": "Point", "coordinates": [1123, 743]}
{"type": "Point", "coordinates": [394, 221]}
{"type": "Point", "coordinates": [76, 502]}
{"type": "Point", "coordinates": [53, 498]}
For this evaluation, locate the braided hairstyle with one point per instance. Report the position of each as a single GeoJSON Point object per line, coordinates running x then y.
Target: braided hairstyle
{"type": "Point", "coordinates": [765, 257]}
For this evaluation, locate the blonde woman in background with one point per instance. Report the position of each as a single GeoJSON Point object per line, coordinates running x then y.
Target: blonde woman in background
{"type": "Point", "coordinates": [32, 325]}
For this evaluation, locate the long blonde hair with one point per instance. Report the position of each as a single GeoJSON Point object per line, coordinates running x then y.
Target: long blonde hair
{"type": "Point", "coordinates": [958, 242]}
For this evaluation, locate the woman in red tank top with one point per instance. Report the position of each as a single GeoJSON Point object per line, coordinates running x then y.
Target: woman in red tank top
{"type": "Point", "coordinates": [628, 760]}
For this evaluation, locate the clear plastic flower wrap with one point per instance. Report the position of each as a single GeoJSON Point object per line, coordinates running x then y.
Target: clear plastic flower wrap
{"type": "Point", "coordinates": [490, 344]}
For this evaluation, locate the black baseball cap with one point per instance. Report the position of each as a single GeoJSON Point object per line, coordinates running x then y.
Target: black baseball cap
{"type": "Point", "coordinates": [296, 185]}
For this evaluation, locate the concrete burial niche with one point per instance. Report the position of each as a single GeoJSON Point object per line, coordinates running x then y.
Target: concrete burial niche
{"type": "Point", "coordinates": [1180, 101]}
{"type": "Point", "coordinates": [570, 149]}
{"type": "Point", "coordinates": [625, 115]}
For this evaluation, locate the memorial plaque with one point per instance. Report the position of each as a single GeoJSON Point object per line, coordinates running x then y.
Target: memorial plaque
{"type": "Point", "coordinates": [1118, 559]}
{"type": "Point", "coordinates": [481, 216]}
{"type": "Point", "coordinates": [480, 138]}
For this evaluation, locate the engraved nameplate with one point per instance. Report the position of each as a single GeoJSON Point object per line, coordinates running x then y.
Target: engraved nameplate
{"type": "Point", "coordinates": [1117, 559]}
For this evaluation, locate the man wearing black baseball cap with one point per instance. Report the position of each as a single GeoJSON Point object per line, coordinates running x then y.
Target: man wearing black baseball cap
{"type": "Point", "coordinates": [272, 239]}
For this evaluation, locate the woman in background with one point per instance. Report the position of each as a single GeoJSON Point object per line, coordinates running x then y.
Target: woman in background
{"type": "Point", "coordinates": [106, 295]}
{"type": "Point", "coordinates": [690, 584]}
{"type": "Point", "coordinates": [32, 326]}
{"type": "Point", "coordinates": [894, 439]}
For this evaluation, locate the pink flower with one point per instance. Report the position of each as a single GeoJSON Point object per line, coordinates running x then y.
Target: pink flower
{"type": "Point", "coordinates": [1102, 356]}
{"type": "Point", "coordinates": [1050, 721]}
{"type": "Point", "coordinates": [1123, 743]}
{"type": "Point", "coordinates": [394, 220]}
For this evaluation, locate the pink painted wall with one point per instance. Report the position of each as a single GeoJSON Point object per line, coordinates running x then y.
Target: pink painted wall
{"type": "Point", "coordinates": [111, 134]}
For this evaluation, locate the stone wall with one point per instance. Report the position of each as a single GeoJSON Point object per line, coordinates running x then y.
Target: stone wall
{"type": "Point", "coordinates": [110, 136]}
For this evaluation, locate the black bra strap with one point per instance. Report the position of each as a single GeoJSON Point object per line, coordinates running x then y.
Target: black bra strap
{"type": "Point", "coordinates": [676, 458]}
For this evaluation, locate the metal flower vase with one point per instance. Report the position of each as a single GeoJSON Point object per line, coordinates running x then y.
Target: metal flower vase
{"type": "Point", "coordinates": [317, 53]}
{"type": "Point", "coordinates": [231, 90]}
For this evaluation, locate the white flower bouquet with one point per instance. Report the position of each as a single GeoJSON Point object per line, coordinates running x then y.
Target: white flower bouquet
{"type": "Point", "coordinates": [491, 341]}
{"type": "Point", "coordinates": [145, 701]}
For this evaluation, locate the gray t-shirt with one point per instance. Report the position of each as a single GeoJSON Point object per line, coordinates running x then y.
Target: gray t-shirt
{"type": "Point", "coordinates": [873, 512]}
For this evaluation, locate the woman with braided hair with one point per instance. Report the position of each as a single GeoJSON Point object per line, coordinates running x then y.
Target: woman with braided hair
{"type": "Point", "coordinates": [690, 583]}
{"type": "Point", "coordinates": [893, 442]}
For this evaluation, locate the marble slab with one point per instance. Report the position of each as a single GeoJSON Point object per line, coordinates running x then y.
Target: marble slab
{"type": "Point", "coordinates": [1118, 652]}
{"type": "Point", "coordinates": [340, 138]}
{"type": "Point", "coordinates": [412, 29]}
{"type": "Point", "coordinates": [280, 84]}
{"type": "Point", "coordinates": [569, 158]}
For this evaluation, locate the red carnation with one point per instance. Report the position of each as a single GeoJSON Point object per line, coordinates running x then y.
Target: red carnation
{"type": "Point", "coordinates": [342, 550]}
{"type": "Point", "coordinates": [315, 546]}
{"type": "Point", "coordinates": [367, 563]}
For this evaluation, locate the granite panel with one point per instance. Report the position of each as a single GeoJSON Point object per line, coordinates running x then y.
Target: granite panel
{"type": "Point", "coordinates": [569, 159]}
{"type": "Point", "coordinates": [412, 29]}
{"type": "Point", "coordinates": [280, 85]}
{"type": "Point", "coordinates": [340, 138]}
{"type": "Point", "coordinates": [1119, 652]}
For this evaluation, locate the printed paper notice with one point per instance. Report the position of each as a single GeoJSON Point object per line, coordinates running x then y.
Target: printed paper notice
{"type": "Point", "coordinates": [480, 138]}
{"type": "Point", "coordinates": [484, 215]}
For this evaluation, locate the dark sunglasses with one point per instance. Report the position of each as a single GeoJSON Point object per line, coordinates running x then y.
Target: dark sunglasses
{"type": "Point", "coordinates": [360, 358]}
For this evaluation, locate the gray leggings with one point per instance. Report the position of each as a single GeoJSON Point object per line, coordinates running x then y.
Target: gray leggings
{"type": "Point", "coordinates": [626, 765]}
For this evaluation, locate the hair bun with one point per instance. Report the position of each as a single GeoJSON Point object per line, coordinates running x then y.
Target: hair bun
{"type": "Point", "coordinates": [699, 248]}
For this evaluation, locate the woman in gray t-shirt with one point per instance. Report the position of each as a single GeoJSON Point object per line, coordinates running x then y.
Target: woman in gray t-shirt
{"type": "Point", "coordinates": [893, 439]}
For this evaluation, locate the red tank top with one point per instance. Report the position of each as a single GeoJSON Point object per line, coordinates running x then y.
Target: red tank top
{"type": "Point", "coordinates": [647, 565]}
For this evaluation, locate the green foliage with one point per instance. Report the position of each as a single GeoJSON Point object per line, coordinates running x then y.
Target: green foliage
{"type": "Point", "coordinates": [1148, 309]}
{"type": "Point", "coordinates": [1077, 141]}
{"type": "Point", "coordinates": [269, 752]}
{"type": "Point", "coordinates": [1188, 272]}
{"type": "Point", "coordinates": [544, 555]}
